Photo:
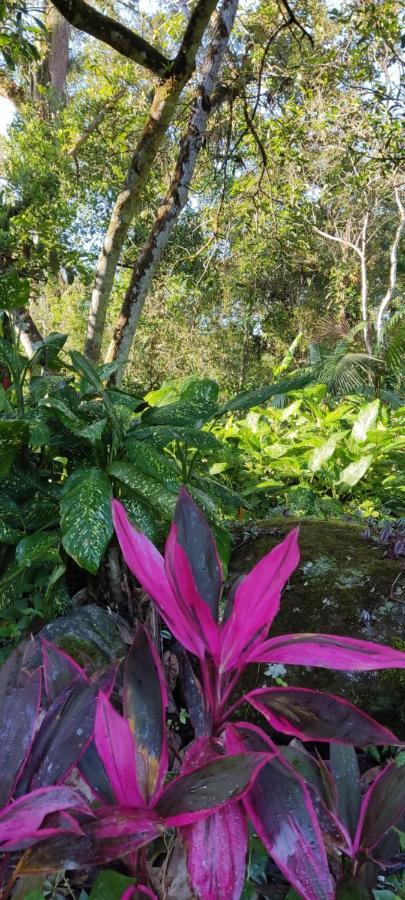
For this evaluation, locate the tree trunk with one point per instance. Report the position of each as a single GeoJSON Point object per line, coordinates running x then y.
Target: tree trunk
{"type": "Point", "coordinates": [177, 194]}
{"type": "Point", "coordinates": [54, 67]}
{"type": "Point", "coordinates": [162, 111]}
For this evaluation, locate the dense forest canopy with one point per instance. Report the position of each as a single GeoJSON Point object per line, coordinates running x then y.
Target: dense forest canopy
{"type": "Point", "coordinates": [292, 205]}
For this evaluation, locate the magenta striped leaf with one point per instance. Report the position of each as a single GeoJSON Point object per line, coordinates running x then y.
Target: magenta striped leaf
{"type": "Point", "coordinates": [328, 651]}
{"type": "Point", "coordinates": [21, 822]}
{"type": "Point", "coordinates": [316, 715]}
{"type": "Point", "coordinates": [115, 746]}
{"type": "Point", "coordinates": [257, 600]}
{"type": "Point", "coordinates": [193, 534]}
{"type": "Point", "coordinates": [382, 806]}
{"type": "Point", "coordinates": [112, 835]}
{"type": "Point", "coordinates": [147, 564]}
{"type": "Point", "coordinates": [189, 602]}
{"type": "Point", "coordinates": [216, 846]}
{"type": "Point", "coordinates": [145, 704]}
{"type": "Point", "coordinates": [280, 808]}
{"type": "Point", "coordinates": [209, 788]}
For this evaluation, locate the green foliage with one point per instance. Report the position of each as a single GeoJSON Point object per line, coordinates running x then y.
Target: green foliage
{"type": "Point", "coordinates": [68, 444]}
{"type": "Point", "coordinates": [317, 458]}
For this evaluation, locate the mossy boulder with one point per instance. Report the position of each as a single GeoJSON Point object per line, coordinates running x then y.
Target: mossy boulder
{"type": "Point", "coordinates": [342, 586]}
{"type": "Point", "coordinates": [90, 634]}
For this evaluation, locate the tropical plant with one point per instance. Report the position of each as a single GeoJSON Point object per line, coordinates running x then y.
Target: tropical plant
{"type": "Point", "coordinates": [186, 588]}
{"type": "Point", "coordinates": [44, 735]}
{"type": "Point", "coordinates": [68, 444]}
{"type": "Point", "coordinates": [317, 458]}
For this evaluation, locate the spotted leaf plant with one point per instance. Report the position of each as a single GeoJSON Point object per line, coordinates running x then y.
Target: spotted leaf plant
{"type": "Point", "coordinates": [225, 637]}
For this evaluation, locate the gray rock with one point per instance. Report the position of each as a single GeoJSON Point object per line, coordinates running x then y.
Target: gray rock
{"type": "Point", "coordinates": [342, 586]}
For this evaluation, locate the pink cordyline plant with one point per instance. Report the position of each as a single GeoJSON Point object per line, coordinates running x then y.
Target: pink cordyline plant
{"type": "Point", "coordinates": [186, 586]}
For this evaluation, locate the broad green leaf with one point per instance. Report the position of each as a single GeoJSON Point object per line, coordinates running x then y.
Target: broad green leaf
{"type": "Point", "coordinates": [140, 516]}
{"type": "Point", "coordinates": [355, 471]}
{"type": "Point", "coordinates": [63, 412]}
{"type": "Point", "coordinates": [49, 348]}
{"type": "Point", "coordinates": [365, 420]}
{"type": "Point", "coordinates": [86, 520]}
{"type": "Point", "coordinates": [110, 885]}
{"type": "Point", "coordinates": [8, 534]}
{"type": "Point", "coordinates": [13, 435]}
{"type": "Point", "coordinates": [121, 398]}
{"type": "Point", "coordinates": [87, 370]}
{"type": "Point", "coordinates": [151, 462]}
{"type": "Point", "coordinates": [249, 399]}
{"type": "Point", "coordinates": [92, 432]}
{"type": "Point", "coordinates": [43, 385]}
{"type": "Point", "coordinates": [14, 291]}
{"type": "Point", "coordinates": [187, 412]}
{"type": "Point", "coordinates": [148, 490]}
{"type": "Point", "coordinates": [201, 390]}
{"type": "Point", "coordinates": [290, 410]}
{"type": "Point", "coordinates": [38, 548]}
{"type": "Point", "coordinates": [14, 362]}
{"type": "Point", "coordinates": [321, 454]}
{"type": "Point", "coordinates": [289, 356]}
{"type": "Point", "coordinates": [162, 435]}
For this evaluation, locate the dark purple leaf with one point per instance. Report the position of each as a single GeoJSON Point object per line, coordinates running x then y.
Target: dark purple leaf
{"type": "Point", "coordinates": [66, 731]}
{"type": "Point", "coordinates": [145, 703]}
{"type": "Point", "coordinates": [346, 773]}
{"type": "Point", "coordinates": [191, 606]}
{"type": "Point", "coordinates": [199, 793]}
{"type": "Point", "coordinates": [18, 717]}
{"type": "Point", "coordinates": [281, 811]}
{"type": "Point", "coordinates": [60, 670]}
{"type": "Point", "coordinates": [382, 806]}
{"type": "Point", "coordinates": [194, 697]}
{"type": "Point", "coordinates": [350, 889]}
{"type": "Point", "coordinates": [314, 715]}
{"type": "Point", "coordinates": [195, 537]}
{"type": "Point", "coordinates": [111, 836]}
{"type": "Point", "coordinates": [92, 770]}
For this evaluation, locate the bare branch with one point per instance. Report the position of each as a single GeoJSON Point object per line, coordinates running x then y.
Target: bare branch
{"type": "Point", "coordinates": [393, 267]}
{"type": "Point", "coordinates": [293, 18]}
{"type": "Point", "coordinates": [113, 33]}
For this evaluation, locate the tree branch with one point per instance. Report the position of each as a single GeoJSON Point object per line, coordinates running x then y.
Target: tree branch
{"type": "Point", "coordinates": [393, 267]}
{"type": "Point", "coordinates": [113, 33]}
{"type": "Point", "coordinates": [91, 127]}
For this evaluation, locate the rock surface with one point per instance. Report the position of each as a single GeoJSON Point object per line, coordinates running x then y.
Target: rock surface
{"type": "Point", "coordinates": [342, 586]}
{"type": "Point", "coordinates": [90, 634]}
